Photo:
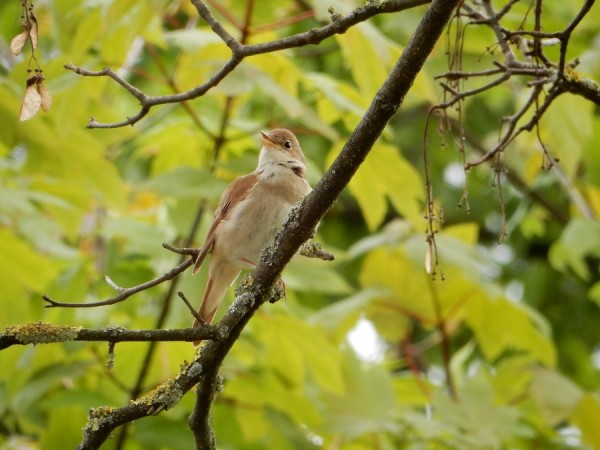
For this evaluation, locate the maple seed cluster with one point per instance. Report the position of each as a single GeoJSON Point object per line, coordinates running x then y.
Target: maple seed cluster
{"type": "Point", "coordinates": [36, 95]}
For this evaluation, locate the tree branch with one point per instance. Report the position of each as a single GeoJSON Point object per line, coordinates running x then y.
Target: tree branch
{"type": "Point", "coordinates": [560, 77]}
{"type": "Point", "coordinates": [124, 293]}
{"type": "Point", "coordinates": [297, 229]}
{"type": "Point", "coordinates": [575, 84]}
{"type": "Point", "coordinates": [303, 220]}
{"type": "Point", "coordinates": [45, 333]}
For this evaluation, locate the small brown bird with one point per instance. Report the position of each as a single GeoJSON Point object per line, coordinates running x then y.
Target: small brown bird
{"type": "Point", "coordinates": [250, 213]}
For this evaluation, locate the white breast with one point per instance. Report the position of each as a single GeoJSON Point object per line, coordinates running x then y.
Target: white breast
{"type": "Point", "coordinates": [256, 220]}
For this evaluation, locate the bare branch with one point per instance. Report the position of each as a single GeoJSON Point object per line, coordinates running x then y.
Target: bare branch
{"type": "Point", "coordinates": [493, 19]}
{"type": "Point", "coordinates": [216, 26]}
{"type": "Point", "coordinates": [45, 333]}
{"type": "Point", "coordinates": [124, 293]}
{"type": "Point", "coordinates": [181, 251]}
{"type": "Point", "coordinates": [197, 316]}
{"type": "Point", "coordinates": [557, 213]}
{"type": "Point", "coordinates": [456, 75]}
{"type": "Point", "coordinates": [458, 96]}
{"type": "Point", "coordinates": [312, 249]}
{"type": "Point", "coordinates": [107, 72]}
{"type": "Point", "coordinates": [102, 421]}
{"type": "Point", "coordinates": [574, 84]}
{"type": "Point", "coordinates": [510, 134]}
{"type": "Point", "coordinates": [112, 284]}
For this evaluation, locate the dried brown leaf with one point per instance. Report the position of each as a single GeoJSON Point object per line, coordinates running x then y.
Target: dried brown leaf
{"type": "Point", "coordinates": [45, 96]}
{"type": "Point", "coordinates": [32, 100]}
{"type": "Point", "coordinates": [33, 30]}
{"type": "Point", "coordinates": [18, 42]}
{"type": "Point", "coordinates": [428, 257]}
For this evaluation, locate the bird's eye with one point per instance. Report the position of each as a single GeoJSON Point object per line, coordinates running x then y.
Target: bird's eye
{"type": "Point", "coordinates": [288, 145]}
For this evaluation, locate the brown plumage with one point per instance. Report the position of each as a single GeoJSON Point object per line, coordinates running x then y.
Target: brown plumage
{"type": "Point", "coordinates": [250, 213]}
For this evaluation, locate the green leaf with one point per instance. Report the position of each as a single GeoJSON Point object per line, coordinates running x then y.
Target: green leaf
{"type": "Point", "coordinates": [594, 292]}
{"type": "Point", "coordinates": [137, 236]}
{"type": "Point", "coordinates": [30, 271]}
{"type": "Point", "coordinates": [86, 34]}
{"type": "Point", "coordinates": [191, 39]}
{"type": "Point", "coordinates": [566, 128]}
{"type": "Point", "coordinates": [293, 107]}
{"type": "Point", "coordinates": [267, 389]}
{"type": "Point", "coordinates": [401, 296]}
{"type": "Point", "coordinates": [511, 377]}
{"type": "Point", "coordinates": [367, 406]}
{"type": "Point", "coordinates": [64, 427]}
{"type": "Point", "coordinates": [341, 316]}
{"type": "Point", "coordinates": [281, 352]}
{"type": "Point", "coordinates": [163, 432]}
{"type": "Point", "coordinates": [313, 275]}
{"type": "Point", "coordinates": [252, 422]}
{"type": "Point", "coordinates": [556, 395]}
{"type": "Point", "coordinates": [586, 416]}
{"type": "Point", "coordinates": [172, 144]}
{"type": "Point", "coordinates": [412, 391]}
{"type": "Point", "coordinates": [291, 343]}
{"type": "Point", "coordinates": [339, 100]}
{"type": "Point", "coordinates": [479, 422]}
{"type": "Point", "coordinates": [386, 175]}
{"type": "Point", "coordinates": [364, 46]}
{"type": "Point", "coordinates": [488, 318]}
{"type": "Point", "coordinates": [391, 234]}
{"type": "Point", "coordinates": [456, 250]}
{"type": "Point", "coordinates": [581, 238]}
{"type": "Point", "coordinates": [50, 377]}
{"type": "Point", "coordinates": [186, 182]}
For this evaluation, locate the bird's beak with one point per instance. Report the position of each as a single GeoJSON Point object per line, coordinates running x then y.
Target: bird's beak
{"type": "Point", "coordinates": [266, 139]}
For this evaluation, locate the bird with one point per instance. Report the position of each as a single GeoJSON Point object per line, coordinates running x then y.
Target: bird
{"type": "Point", "coordinates": [250, 213]}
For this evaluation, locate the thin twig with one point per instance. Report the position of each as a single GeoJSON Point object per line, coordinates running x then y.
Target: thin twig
{"type": "Point", "coordinates": [498, 170]}
{"type": "Point", "coordinates": [512, 121]}
{"type": "Point", "coordinates": [182, 251]}
{"type": "Point", "coordinates": [197, 316]}
{"type": "Point", "coordinates": [312, 249]}
{"type": "Point", "coordinates": [432, 261]}
{"type": "Point", "coordinates": [124, 293]}
{"type": "Point", "coordinates": [493, 19]}
{"type": "Point", "coordinates": [557, 213]}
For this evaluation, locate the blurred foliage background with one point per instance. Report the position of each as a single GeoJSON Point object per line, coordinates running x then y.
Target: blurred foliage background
{"type": "Point", "coordinates": [367, 352]}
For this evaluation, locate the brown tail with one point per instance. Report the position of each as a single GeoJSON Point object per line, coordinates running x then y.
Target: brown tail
{"type": "Point", "coordinates": [221, 275]}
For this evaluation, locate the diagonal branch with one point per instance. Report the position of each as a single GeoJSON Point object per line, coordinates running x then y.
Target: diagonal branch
{"type": "Point", "coordinates": [298, 229]}
{"type": "Point", "coordinates": [124, 293]}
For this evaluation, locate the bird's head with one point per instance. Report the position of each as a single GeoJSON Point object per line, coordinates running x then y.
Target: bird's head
{"type": "Point", "coordinates": [280, 146]}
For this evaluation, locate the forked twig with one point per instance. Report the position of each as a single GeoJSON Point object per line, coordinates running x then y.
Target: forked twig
{"type": "Point", "coordinates": [124, 293]}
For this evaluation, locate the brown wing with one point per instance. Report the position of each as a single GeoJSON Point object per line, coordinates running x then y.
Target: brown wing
{"type": "Point", "coordinates": [235, 193]}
